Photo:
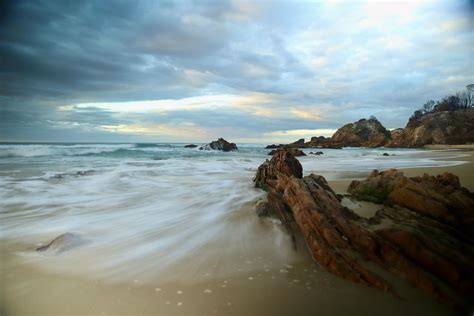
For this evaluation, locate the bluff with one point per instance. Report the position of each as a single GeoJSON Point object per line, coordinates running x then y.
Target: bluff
{"type": "Point", "coordinates": [442, 127]}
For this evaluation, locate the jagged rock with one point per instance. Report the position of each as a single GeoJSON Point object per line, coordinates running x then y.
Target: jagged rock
{"type": "Point", "coordinates": [422, 249]}
{"type": "Point", "coordinates": [190, 146]}
{"type": "Point", "coordinates": [62, 243]}
{"type": "Point", "coordinates": [220, 144]}
{"type": "Point", "coordinates": [294, 151]}
{"type": "Point", "coordinates": [445, 127]}
{"type": "Point", "coordinates": [363, 133]}
{"type": "Point", "coordinates": [282, 162]}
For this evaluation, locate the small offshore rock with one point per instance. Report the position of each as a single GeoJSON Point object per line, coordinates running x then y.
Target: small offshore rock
{"type": "Point", "coordinates": [220, 144]}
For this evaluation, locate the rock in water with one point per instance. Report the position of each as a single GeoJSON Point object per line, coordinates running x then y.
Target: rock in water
{"type": "Point", "coordinates": [220, 144]}
{"type": "Point", "coordinates": [190, 146]}
{"type": "Point", "coordinates": [273, 146]}
{"type": "Point", "coordinates": [62, 243]}
{"type": "Point", "coordinates": [429, 251]}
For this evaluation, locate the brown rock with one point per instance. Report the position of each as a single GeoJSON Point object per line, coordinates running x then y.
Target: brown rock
{"type": "Point", "coordinates": [441, 197]}
{"type": "Point", "coordinates": [282, 162]}
{"type": "Point", "coordinates": [363, 133]}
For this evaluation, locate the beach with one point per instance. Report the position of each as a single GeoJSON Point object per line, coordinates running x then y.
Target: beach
{"type": "Point", "coordinates": [174, 232]}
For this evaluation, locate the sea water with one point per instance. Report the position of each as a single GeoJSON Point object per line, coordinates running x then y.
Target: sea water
{"type": "Point", "coordinates": [159, 213]}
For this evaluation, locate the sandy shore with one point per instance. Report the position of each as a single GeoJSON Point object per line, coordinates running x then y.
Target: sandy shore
{"type": "Point", "coordinates": [464, 171]}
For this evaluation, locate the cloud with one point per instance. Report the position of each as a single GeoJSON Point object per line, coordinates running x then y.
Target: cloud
{"type": "Point", "coordinates": [100, 70]}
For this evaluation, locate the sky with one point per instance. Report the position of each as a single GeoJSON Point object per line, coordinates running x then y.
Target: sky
{"type": "Point", "coordinates": [248, 71]}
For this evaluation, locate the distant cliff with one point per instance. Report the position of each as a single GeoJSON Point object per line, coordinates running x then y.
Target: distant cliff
{"type": "Point", "coordinates": [441, 127]}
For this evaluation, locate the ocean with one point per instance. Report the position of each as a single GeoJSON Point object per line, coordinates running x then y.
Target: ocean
{"type": "Point", "coordinates": [157, 215]}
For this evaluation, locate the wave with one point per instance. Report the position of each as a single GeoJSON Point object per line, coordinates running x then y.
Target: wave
{"type": "Point", "coordinates": [17, 151]}
{"type": "Point", "coordinates": [142, 150]}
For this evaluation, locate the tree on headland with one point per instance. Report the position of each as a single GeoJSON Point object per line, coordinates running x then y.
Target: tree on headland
{"type": "Point", "coordinates": [460, 100]}
{"type": "Point", "coordinates": [428, 106]}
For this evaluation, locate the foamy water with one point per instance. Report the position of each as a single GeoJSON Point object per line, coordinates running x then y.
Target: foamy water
{"type": "Point", "coordinates": [148, 209]}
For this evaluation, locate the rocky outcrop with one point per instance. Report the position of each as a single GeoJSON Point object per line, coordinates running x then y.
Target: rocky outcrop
{"type": "Point", "coordinates": [64, 242]}
{"type": "Point", "coordinates": [315, 142]}
{"type": "Point", "coordinates": [322, 142]}
{"type": "Point", "coordinates": [445, 127]}
{"type": "Point", "coordinates": [363, 133]}
{"type": "Point", "coordinates": [419, 247]}
{"type": "Point", "coordinates": [294, 151]}
{"type": "Point", "coordinates": [190, 146]}
{"type": "Point", "coordinates": [220, 144]}
{"type": "Point", "coordinates": [441, 198]}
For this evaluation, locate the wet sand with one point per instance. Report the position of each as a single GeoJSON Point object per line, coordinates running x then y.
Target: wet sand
{"type": "Point", "coordinates": [271, 278]}
{"type": "Point", "coordinates": [260, 288]}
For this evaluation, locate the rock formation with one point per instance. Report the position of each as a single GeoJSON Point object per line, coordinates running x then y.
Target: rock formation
{"type": "Point", "coordinates": [220, 144]}
{"type": "Point", "coordinates": [427, 249]}
{"type": "Point", "coordinates": [363, 133]}
{"type": "Point", "coordinates": [190, 146]}
{"type": "Point", "coordinates": [441, 198]}
{"type": "Point", "coordinates": [446, 127]}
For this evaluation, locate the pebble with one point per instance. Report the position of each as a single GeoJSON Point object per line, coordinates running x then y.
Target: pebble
{"type": "Point", "coordinates": [207, 291]}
